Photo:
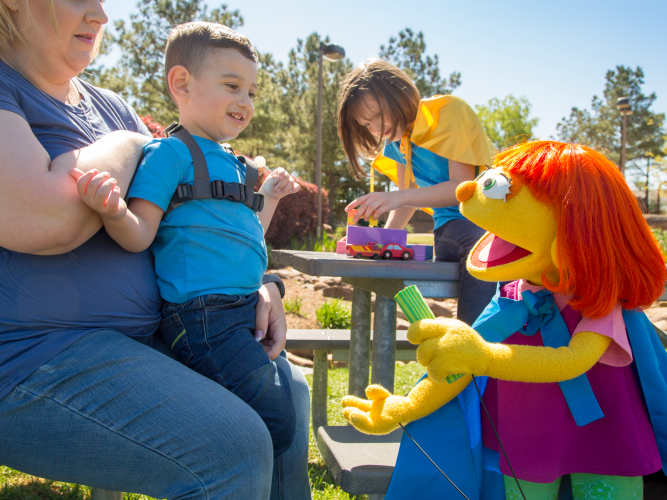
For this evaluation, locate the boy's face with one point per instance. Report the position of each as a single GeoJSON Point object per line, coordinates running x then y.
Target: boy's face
{"type": "Point", "coordinates": [220, 100]}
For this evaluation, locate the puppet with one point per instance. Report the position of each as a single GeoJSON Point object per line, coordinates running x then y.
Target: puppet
{"type": "Point", "coordinates": [576, 374]}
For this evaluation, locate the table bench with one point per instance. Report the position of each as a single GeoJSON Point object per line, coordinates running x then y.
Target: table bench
{"type": "Point", "coordinates": [336, 341]}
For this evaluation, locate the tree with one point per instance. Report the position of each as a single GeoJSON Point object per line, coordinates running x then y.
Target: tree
{"type": "Point", "coordinates": [407, 52]}
{"type": "Point", "coordinates": [507, 122]}
{"type": "Point", "coordinates": [601, 126]}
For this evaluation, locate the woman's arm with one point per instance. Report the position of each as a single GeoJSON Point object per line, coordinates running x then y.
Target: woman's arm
{"type": "Point", "coordinates": [40, 210]}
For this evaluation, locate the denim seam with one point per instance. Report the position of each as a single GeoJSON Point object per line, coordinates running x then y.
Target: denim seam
{"type": "Point", "coordinates": [451, 242]}
{"type": "Point", "coordinates": [119, 434]}
{"type": "Point", "coordinates": [279, 463]}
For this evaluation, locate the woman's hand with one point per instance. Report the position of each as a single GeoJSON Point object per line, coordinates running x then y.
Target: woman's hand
{"type": "Point", "coordinates": [270, 321]}
{"type": "Point", "coordinates": [375, 204]}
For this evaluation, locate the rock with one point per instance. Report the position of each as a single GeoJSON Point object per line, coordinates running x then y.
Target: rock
{"type": "Point", "coordinates": [318, 285]}
{"type": "Point", "coordinates": [330, 281]}
{"type": "Point", "coordinates": [327, 228]}
{"type": "Point", "coordinates": [439, 309]}
{"type": "Point", "coordinates": [296, 360]}
{"type": "Point", "coordinates": [402, 324]}
{"type": "Point", "coordinates": [287, 273]}
{"type": "Point", "coordinates": [658, 316]}
{"type": "Point", "coordinates": [400, 314]}
{"type": "Point", "coordinates": [338, 292]}
{"type": "Point", "coordinates": [309, 286]}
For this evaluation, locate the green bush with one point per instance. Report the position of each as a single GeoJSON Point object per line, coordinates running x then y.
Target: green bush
{"type": "Point", "coordinates": [334, 314]}
{"type": "Point", "coordinates": [661, 236]}
{"type": "Point", "coordinates": [293, 305]}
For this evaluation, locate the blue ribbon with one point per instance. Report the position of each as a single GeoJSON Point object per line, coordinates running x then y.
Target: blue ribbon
{"type": "Point", "coordinates": [538, 312]}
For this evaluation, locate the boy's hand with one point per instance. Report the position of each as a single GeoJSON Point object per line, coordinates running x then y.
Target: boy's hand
{"type": "Point", "coordinates": [279, 184]}
{"type": "Point", "coordinates": [100, 192]}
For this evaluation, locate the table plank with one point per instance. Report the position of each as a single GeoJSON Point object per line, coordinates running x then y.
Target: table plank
{"type": "Point", "coordinates": [332, 264]}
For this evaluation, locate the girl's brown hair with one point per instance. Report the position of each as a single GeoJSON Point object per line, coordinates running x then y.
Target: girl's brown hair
{"type": "Point", "coordinates": [394, 92]}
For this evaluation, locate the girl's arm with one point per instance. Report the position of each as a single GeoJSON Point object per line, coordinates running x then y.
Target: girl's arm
{"type": "Point", "coordinates": [133, 227]}
{"type": "Point", "coordinates": [40, 210]}
{"type": "Point", "coordinates": [436, 196]}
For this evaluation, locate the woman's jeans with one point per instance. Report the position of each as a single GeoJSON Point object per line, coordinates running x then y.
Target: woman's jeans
{"type": "Point", "coordinates": [214, 335]}
{"type": "Point", "coordinates": [453, 242]}
{"type": "Point", "coordinates": [112, 413]}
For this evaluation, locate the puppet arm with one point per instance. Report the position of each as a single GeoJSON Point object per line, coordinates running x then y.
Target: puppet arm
{"type": "Point", "coordinates": [450, 346]}
{"type": "Point", "coordinates": [383, 413]}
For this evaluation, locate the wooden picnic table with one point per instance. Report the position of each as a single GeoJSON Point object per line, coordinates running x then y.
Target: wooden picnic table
{"type": "Point", "coordinates": [385, 278]}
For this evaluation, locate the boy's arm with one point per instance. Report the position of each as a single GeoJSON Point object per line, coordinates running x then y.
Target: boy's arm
{"type": "Point", "coordinates": [276, 186]}
{"type": "Point", "coordinates": [136, 230]}
{"type": "Point", "coordinates": [133, 227]}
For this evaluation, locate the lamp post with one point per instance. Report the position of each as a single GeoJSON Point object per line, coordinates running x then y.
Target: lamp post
{"type": "Point", "coordinates": [333, 53]}
{"type": "Point", "coordinates": [623, 105]}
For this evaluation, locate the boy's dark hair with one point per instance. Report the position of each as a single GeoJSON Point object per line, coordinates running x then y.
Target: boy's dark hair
{"type": "Point", "coordinates": [189, 43]}
{"type": "Point", "coordinates": [394, 92]}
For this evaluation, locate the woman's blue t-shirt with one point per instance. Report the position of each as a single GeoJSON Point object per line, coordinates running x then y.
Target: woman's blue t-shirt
{"type": "Point", "coordinates": [203, 246]}
{"type": "Point", "coordinates": [428, 169]}
{"type": "Point", "coordinates": [49, 302]}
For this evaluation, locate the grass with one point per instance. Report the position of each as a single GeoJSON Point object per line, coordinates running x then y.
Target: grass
{"type": "Point", "coordinates": [15, 485]}
{"type": "Point", "coordinates": [661, 236]}
{"type": "Point", "coordinates": [334, 314]}
{"type": "Point", "coordinates": [293, 305]}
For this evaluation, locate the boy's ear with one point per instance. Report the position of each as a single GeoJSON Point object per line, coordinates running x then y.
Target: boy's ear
{"type": "Point", "coordinates": [178, 80]}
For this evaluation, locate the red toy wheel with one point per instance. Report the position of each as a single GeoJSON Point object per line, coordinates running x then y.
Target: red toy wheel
{"type": "Point", "coordinates": [387, 255]}
{"type": "Point", "coordinates": [406, 256]}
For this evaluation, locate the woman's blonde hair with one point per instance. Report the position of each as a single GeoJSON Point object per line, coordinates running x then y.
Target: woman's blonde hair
{"type": "Point", "coordinates": [11, 33]}
{"type": "Point", "coordinates": [394, 92]}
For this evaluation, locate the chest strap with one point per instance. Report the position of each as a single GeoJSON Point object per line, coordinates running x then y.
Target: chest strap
{"type": "Point", "coordinates": [203, 188]}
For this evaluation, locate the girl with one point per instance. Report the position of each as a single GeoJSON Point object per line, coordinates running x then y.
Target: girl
{"type": "Point", "coordinates": [433, 144]}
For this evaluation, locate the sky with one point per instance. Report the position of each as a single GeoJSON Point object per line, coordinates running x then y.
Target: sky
{"type": "Point", "coordinates": [555, 54]}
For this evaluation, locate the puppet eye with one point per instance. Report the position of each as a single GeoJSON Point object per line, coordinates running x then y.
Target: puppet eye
{"type": "Point", "coordinates": [495, 186]}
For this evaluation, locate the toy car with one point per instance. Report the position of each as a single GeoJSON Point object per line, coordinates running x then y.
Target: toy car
{"type": "Point", "coordinates": [369, 250]}
{"type": "Point", "coordinates": [394, 250]}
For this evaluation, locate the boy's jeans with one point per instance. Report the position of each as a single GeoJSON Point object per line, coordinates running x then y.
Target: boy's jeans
{"type": "Point", "coordinates": [214, 335]}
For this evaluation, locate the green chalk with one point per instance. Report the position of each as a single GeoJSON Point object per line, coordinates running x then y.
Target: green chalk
{"type": "Point", "coordinates": [415, 308]}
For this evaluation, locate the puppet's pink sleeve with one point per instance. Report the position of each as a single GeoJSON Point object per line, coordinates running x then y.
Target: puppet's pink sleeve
{"type": "Point", "coordinates": [612, 325]}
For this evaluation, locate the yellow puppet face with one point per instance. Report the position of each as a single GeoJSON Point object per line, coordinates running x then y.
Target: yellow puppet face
{"type": "Point", "coordinates": [521, 230]}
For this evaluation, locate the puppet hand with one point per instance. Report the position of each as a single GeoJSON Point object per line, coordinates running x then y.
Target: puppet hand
{"type": "Point", "coordinates": [381, 414]}
{"type": "Point", "coordinates": [449, 347]}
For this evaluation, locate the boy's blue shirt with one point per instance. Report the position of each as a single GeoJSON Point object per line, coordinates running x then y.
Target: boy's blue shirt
{"type": "Point", "coordinates": [203, 246]}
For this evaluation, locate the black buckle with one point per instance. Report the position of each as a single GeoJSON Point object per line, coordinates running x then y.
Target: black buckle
{"type": "Point", "coordinates": [172, 128]}
{"type": "Point", "coordinates": [184, 192]}
{"type": "Point", "coordinates": [232, 191]}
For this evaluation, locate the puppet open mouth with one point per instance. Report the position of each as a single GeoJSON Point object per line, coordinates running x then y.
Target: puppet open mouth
{"type": "Point", "coordinates": [493, 251]}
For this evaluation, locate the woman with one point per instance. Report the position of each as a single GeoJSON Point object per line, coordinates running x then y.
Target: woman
{"type": "Point", "coordinates": [79, 400]}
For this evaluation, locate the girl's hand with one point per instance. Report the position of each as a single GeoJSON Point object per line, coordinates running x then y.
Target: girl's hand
{"type": "Point", "coordinates": [100, 192]}
{"type": "Point", "coordinates": [279, 184]}
{"type": "Point", "coordinates": [375, 204]}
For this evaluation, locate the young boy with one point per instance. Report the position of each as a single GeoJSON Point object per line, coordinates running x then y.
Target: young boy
{"type": "Point", "coordinates": [209, 253]}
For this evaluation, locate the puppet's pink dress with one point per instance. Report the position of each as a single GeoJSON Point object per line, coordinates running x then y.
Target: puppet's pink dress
{"type": "Point", "coordinates": [537, 430]}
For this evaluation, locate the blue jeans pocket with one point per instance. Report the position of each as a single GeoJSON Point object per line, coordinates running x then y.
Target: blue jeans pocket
{"type": "Point", "coordinates": [173, 334]}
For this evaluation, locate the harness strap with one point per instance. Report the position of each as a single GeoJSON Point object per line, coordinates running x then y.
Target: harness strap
{"type": "Point", "coordinates": [204, 188]}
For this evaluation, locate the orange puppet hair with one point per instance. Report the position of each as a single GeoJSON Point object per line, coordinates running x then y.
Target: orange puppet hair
{"type": "Point", "coordinates": [605, 251]}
